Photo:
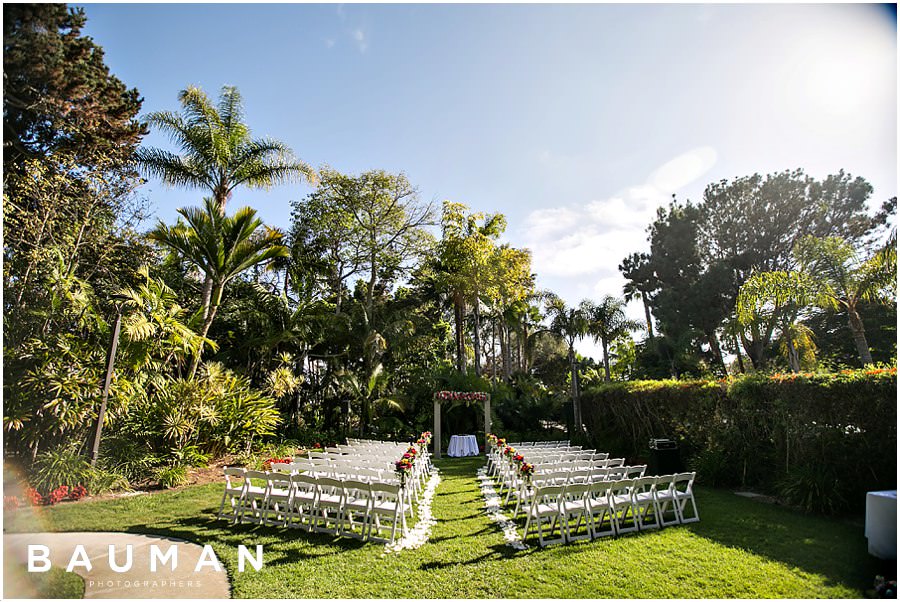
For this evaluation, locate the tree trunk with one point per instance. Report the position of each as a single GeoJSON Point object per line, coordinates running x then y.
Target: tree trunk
{"type": "Point", "coordinates": [793, 359]}
{"type": "Point", "coordinates": [215, 300]}
{"type": "Point", "coordinates": [859, 335]}
{"type": "Point", "coordinates": [647, 315]}
{"type": "Point", "coordinates": [477, 314]}
{"type": "Point", "coordinates": [576, 400]}
{"type": "Point", "coordinates": [713, 341]}
{"type": "Point", "coordinates": [459, 312]}
{"type": "Point", "coordinates": [755, 351]}
{"type": "Point", "coordinates": [740, 356]}
{"type": "Point", "coordinates": [507, 359]}
{"type": "Point", "coordinates": [605, 345]}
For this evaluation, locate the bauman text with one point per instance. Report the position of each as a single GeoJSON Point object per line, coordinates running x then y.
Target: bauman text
{"type": "Point", "coordinates": [39, 559]}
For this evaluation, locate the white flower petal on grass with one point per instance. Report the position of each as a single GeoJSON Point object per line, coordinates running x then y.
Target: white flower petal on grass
{"type": "Point", "coordinates": [419, 534]}
{"type": "Point", "coordinates": [492, 505]}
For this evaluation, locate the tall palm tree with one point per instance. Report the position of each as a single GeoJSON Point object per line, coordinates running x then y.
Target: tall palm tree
{"type": "Point", "coordinates": [569, 324]}
{"type": "Point", "coordinates": [845, 279]}
{"type": "Point", "coordinates": [607, 322]}
{"type": "Point", "coordinates": [217, 152]}
{"type": "Point", "coordinates": [221, 247]}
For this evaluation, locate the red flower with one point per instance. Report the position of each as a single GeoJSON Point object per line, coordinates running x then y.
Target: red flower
{"type": "Point", "coordinates": [33, 497]}
{"type": "Point", "coordinates": [78, 492]}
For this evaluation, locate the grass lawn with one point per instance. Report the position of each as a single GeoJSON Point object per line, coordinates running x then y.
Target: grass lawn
{"type": "Point", "coordinates": [740, 548]}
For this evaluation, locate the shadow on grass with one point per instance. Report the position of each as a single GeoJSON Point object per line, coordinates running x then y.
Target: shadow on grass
{"type": "Point", "coordinates": [833, 548]}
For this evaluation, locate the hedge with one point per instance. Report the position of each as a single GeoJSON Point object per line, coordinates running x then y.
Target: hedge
{"type": "Point", "coordinates": [817, 440]}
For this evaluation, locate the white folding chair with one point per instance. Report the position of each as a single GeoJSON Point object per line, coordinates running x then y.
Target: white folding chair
{"type": "Point", "coordinates": [683, 485]}
{"type": "Point", "coordinates": [302, 510]}
{"type": "Point", "coordinates": [329, 506]}
{"type": "Point", "coordinates": [234, 487]}
{"type": "Point", "coordinates": [387, 504]}
{"type": "Point", "coordinates": [599, 510]}
{"type": "Point", "coordinates": [664, 494]}
{"type": "Point", "coordinates": [357, 508]}
{"type": "Point", "coordinates": [635, 472]}
{"type": "Point", "coordinates": [622, 507]}
{"type": "Point", "coordinates": [573, 508]}
{"type": "Point", "coordinates": [643, 500]}
{"type": "Point", "coordinates": [545, 508]}
{"type": "Point", "coordinates": [252, 497]}
{"type": "Point", "coordinates": [277, 502]}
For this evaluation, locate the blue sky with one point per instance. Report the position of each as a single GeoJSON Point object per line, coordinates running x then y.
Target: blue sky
{"type": "Point", "coordinates": [576, 121]}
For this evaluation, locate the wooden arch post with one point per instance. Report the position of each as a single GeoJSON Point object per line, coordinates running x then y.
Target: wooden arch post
{"type": "Point", "coordinates": [441, 396]}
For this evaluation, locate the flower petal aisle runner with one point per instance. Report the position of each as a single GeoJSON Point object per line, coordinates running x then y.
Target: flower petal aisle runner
{"type": "Point", "coordinates": [492, 505]}
{"type": "Point", "coordinates": [419, 534]}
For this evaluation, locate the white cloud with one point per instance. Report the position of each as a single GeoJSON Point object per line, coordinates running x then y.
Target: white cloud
{"type": "Point", "coordinates": [591, 239]}
{"type": "Point", "coordinates": [329, 42]}
{"type": "Point", "coordinates": [359, 36]}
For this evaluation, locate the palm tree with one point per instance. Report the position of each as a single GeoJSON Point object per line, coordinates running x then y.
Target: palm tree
{"type": "Point", "coordinates": [221, 247]}
{"type": "Point", "coordinates": [845, 279]}
{"type": "Point", "coordinates": [640, 283]}
{"type": "Point", "coordinates": [607, 322]}
{"type": "Point", "coordinates": [218, 153]}
{"type": "Point", "coordinates": [569, 324]}
{"type": "Point", "coordinates": [778, 297]}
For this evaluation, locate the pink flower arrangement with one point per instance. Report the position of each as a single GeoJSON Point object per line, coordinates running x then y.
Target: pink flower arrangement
{"type": "Point", "coordinates": [527, 469]}
{"type": "Point", "coordinates": [461, 396]}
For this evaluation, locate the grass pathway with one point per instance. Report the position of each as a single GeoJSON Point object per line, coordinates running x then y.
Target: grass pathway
{"type": "Point", "coordinates": [741, 548]}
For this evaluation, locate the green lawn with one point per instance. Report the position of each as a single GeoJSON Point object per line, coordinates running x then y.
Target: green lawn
{"type": "Point", "coordinates": [740, 548]}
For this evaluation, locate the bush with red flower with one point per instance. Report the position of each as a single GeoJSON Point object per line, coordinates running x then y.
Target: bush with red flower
{"type": "Point", "coordinates": [267, 465]}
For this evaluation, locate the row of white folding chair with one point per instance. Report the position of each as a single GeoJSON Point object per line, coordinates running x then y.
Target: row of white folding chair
{"type": "Point", "coordinates": [523, 491]}
{"type": "Point", "coordinates": [321, 504]}
{"type": "Point", "coordinates": [611, 503]}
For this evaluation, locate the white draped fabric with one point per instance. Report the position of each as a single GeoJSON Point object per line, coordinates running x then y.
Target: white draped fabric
{"type": "Point", "coordinates": [462, 445]}
{"type": "Point", "coordinates": [881, 523]}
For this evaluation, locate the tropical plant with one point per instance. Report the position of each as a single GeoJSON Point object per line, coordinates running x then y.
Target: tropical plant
{"type": "Point", "coordinates": [218, 153]}
{"type": "Point", "coordinates": [569, 324]}
{"type": "Point", "coordinates": [606, 323]}
{"type": "Point", "coordinates": [845, 279]}
{"type": "Point", "coordinates": [221, 247]}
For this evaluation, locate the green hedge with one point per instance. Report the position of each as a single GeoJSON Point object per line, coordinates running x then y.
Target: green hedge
{"type": "Point", "coordinates": [818, 440]}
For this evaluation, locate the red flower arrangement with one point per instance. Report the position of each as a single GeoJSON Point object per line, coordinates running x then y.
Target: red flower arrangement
{"type": "Point", "coordinates": [527, 469]}
{"type": "Point", "coordinates": [509, 451]}
{"type": "Point", "coordinates": [77, 492]}
{"type": "Point", "coordinates": [33, 497]}
{"type": "Point", "coordinates": [519, 458]}
{"type": "Point", "coordinates": [267, 465]}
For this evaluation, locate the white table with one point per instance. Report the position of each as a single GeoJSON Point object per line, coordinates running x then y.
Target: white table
{"type": "Point", "coordinates": [462, 445]}
{"type": "Point", "coordinates": [881, 523]}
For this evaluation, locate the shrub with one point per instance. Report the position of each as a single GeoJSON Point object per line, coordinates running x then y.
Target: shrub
{"type": "Point", "coordinates": [819, 440]}
{"type": "Point", "coordinates": [64, 466]}
{"type": "Point", "coordinates": [171, 476]}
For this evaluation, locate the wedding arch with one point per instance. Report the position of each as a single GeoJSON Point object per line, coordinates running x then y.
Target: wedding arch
{"type": "Point", "coordinates": [442, 396]}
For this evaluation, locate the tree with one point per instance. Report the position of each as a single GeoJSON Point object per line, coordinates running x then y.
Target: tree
{"type": "Point", "coordinates": [845, 279]}
{"type": "Point", "coordinates": [371, 224]}
{"type": "Point", "coordinates": [606, 323]}
{"type": "Point", "coordinates": [221, 247]}
{"type": "Point", "coordinates": [59, 98]}
{"type": "Point", "coordinates": [777, 298]}
{"type": "Point", "coordinates": [218, 152]}
{"type": "Point", "coordinates": [570, 324]}
{"type": "Point", "coordinates": [640, 283]}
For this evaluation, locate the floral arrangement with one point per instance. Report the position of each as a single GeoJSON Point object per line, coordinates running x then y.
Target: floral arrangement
{"type": "Point", "coordinates": [34, 497]}
{"type": "Point", "coordinates": [492, 439]}
{"type": "Point", "coordinates": [509, 452]}
{"type": "Point", "coordinates": [461, 396]}
{"type": "Point", "coordinates": [403, 467]}
{"type": "Point", "coordinates": [518, 459]}
{"type": "Point", "coordinates": [500, 443]}
{"type": "Point", "coordinates": [267, 465]}
{"type": "Point", "coordinates": [424, 440]}
{"type": "Point", "coordinates": [527, 470]}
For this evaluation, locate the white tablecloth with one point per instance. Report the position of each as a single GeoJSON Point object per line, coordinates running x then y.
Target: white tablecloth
{"type": "Point", "coordinates": [881, 523]}
{"type": "Point", "coordinates": [462, 445]}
